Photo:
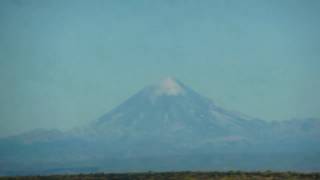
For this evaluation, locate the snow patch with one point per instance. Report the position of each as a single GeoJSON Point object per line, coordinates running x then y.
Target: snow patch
{"type": "Point", "coordinates": [169, 87]}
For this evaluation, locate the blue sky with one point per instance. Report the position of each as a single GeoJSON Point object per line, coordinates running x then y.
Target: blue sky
{"type": "Point", "coordinates": [65, 63]}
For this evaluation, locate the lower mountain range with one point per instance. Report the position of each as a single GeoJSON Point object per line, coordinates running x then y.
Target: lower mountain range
{"type": "Point", "coordinates": [166, 127]}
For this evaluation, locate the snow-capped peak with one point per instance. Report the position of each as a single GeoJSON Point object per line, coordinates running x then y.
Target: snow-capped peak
{"type": "Point", "coordinates": [169, 86]}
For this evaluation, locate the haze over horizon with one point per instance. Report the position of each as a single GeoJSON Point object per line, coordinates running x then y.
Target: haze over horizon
{"type": "Point", "coordinates": [63, 64]}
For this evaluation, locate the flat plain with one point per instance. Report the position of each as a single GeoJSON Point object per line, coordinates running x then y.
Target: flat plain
{"type": "Point", "coordinates": [187, 175]}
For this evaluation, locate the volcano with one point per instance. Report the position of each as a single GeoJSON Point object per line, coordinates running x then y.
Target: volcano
{"type": "Point", "coordinates": [170, 117]}
{"type": "Point", "coordinates": [166, 126]}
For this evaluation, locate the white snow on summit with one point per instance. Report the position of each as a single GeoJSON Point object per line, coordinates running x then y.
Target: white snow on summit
{"type": "Point", "coordinates": [169, 87]}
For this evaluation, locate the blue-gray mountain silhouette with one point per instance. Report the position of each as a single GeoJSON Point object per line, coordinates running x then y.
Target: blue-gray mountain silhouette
{"type": "Point", "coordinates": [166, 126]}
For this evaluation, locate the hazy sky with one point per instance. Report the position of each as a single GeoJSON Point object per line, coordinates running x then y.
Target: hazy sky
{"type": "Point", "coordinates": [65, 63]}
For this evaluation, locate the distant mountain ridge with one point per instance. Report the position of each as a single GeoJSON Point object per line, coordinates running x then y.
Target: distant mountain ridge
{"type": "Point", "coordinates": [160, 126]}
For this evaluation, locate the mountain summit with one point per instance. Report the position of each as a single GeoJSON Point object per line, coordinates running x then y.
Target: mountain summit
{"type": "Point", "coordinates": [166, 126]}
{"type": "Point", "coordinates": [169, 86]}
